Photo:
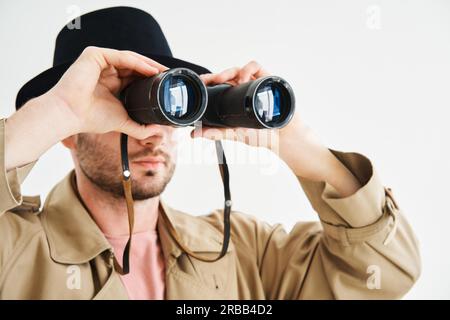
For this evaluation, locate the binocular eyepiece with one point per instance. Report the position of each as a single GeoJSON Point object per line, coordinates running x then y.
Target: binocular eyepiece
{"type": "Point", "coordinates": [178, 97]}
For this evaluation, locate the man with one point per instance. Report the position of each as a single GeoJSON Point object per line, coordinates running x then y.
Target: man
{"type": "Point", "coordinates": [362, 248]}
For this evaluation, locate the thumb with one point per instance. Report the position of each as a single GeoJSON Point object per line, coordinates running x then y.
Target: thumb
{"type": "Point", "coordinates": [136, 130]}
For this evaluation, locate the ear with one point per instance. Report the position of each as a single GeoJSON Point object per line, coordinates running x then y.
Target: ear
{"type": "Point", "coordinates": [70, 142]}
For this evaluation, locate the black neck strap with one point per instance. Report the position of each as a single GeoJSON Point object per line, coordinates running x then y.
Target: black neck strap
{"type": "Point", "coordinates": [126, 181]}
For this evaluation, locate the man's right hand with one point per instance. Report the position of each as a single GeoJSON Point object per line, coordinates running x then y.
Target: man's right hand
{"type": "Point", "coordinates": [84, 100]}
{"type": "Point", "coordinates": [89, 88]}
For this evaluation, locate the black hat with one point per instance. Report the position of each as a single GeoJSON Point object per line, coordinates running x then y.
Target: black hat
{"type": "Point", "coordinates": [121, 28]}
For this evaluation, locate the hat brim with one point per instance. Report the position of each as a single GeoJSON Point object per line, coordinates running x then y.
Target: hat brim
{"type": "Point", "coordinates": [47, 79]}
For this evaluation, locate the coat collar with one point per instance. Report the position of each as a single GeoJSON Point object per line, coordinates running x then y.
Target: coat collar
{"type": "Point", "coordinates": [75, 238]}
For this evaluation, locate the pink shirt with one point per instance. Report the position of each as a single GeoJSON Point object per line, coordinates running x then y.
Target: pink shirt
{"type": "Point", "coordinates": [146, 278]}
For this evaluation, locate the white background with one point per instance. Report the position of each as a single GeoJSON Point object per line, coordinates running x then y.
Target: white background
{"type": "Point", "coordinates": [369, 76]}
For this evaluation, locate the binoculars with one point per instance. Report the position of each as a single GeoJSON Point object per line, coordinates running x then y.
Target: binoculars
{"type": "Point", "coordinates": [178, 97]}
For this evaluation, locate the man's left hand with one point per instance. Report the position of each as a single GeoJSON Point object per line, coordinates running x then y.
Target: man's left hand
{"type": "Point", "coordinates": [295, 143]}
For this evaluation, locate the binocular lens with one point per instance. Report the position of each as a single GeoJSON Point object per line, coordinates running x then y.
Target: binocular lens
{"type": "Point", "coordinates": [274, 102]}
{"type": "Point", "coordinates": [175, 97]}
{"type": "Point", "coordinates": [268, 104]}
{"type": "Point", "coordinates": [179, 97]}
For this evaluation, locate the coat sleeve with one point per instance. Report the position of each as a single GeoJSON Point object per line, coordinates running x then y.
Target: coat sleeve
{"type": "Point", "coordinates": [10, 193]}
{"type": "Point", "coordinates": [362, 248]}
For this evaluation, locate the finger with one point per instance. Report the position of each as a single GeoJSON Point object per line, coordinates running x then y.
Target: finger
{"type": "Point", "coordinates": [251, 69]}
{"type": "Point", "coordinates": [119, 59]}
{"type": "Point", "coordinates": [136, 130]}
{"type": "Point", "coordinates": [233, 134]}
{"type": "Point", "coordinates": [248, 136]}
{"type": "Point", "coordinates": [247, 71]}
{"type": "Point", "coordinates": [218, 78]}
{"type": "Point", "coordinates": [117, 79]}
{"type": "Point", "coordinates": [113, 84]}
{"type": "Point", "coordinates": [211, 79]}
{"type": "Point", "coordinates": [210, 133]}
{"type": "Point", "coordinates": [126, 73]}
{"type": "Point", "coordinates": [206, 78]}
{"type": "Point", "coordinates": [261, 73]}
{"type": "Point", "coordinates": [109, 71]}
{"type": "Point", "coordinates": [152, 62]}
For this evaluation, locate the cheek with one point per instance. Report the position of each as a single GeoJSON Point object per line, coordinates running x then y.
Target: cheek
{"type": "Point", "coordinates": [171, 148]}
{"type": "Point", "coordinates": [172, 136]}
{"type": "Point", "coordinates": [98, 155]}
{"type": "Point", "coordinates": [110, 145]}
{"type": "Point", "coordinates": [107, 146]}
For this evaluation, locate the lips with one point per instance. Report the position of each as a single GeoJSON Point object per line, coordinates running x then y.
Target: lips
{"type": "Point", "coordinates": [151, 162]}
{"type": "Point", "coordinates": [152, 159]}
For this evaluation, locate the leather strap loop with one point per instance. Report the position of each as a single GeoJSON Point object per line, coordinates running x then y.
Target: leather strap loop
{"type": "Point", "coordinates": [224, 172]}
{"type": "Point", "coordinates": [126, 183]}
{"type": "Point", "coordinates": [226, 212]}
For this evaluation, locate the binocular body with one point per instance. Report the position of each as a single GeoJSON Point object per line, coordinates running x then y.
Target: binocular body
{"type": "Point", "coordinates": [178, 97]}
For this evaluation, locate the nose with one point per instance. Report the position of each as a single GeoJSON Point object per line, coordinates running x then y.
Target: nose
{"type": "Point", "coordinates": [157, 137]}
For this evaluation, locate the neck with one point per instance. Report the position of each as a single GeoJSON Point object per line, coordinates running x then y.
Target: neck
{"type": "Point", "coordinates": [111, 214]}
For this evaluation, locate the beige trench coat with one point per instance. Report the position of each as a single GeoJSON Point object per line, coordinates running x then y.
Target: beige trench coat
{"type": "Point", "coordinates": [362, 248]}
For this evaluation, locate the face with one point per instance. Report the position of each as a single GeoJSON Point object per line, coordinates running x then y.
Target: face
{"type": "Point", "coordinates": [152, 161]}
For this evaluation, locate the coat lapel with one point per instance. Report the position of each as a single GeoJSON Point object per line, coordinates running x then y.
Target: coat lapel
{"type": "Point", "coordinates": [73, 236]}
